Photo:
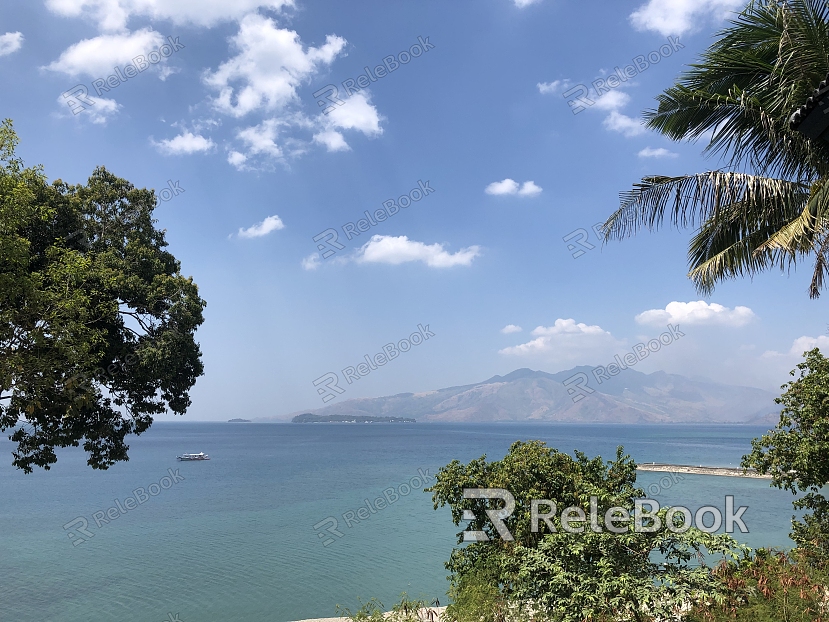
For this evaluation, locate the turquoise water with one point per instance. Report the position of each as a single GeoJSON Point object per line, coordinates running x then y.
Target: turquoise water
{"type": "Point", "coordinates": [235, 539]}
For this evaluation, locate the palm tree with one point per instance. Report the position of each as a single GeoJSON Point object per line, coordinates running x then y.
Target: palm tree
{"type": "Point", "coordinates": [768, 206]}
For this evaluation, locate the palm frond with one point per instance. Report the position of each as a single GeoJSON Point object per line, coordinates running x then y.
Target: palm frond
{"type": "Point", "coordinates": [690, 200]}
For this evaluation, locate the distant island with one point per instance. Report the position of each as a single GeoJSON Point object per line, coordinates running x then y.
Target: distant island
{"type": "Point", "coordinates": [238, 420]}
{"type": "Point", "coordinates": [311, 418]}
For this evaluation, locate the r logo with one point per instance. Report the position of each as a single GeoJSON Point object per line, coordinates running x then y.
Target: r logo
{"type": "Point", "coordinates": [581, 101]}
{"type": "Point", "coordinates": [497, 517]}
{"type": "Point", "coordinates": [331, 98]}
{"type": "Point", "coordinates": [580, 390]}
{"type": "Point", "coordinates": [330, 388]}
{"type": "Point", "coordinates": [582, 236]}
{"type": "Point", "coordinates": [328, 243]}
{"type": "Point", "coordinates": [77, 98]}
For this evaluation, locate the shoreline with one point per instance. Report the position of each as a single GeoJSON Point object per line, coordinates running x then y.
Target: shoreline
{"type": "Point", "coordinates": [700, 470]}
{"type": "Point", "coordinates": [423, 614]}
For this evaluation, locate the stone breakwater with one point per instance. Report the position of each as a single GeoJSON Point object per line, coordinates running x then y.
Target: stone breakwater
{"type": "Point", "coordinates": [701, 470]}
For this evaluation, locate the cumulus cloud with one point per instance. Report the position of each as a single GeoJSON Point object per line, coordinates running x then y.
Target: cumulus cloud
{"type": "Point", "coordinates": [509, 186]}
{"type": "Point", "coordinates": [618, 122]}
{"type": "Point", "coordinates": [332, 139]}
{"type": "Point", "coordinates": [554, 87]}
{"type": "Point", "coordinates": [676, 17]}
{"type": "Point", "coordinates": [96, 57]}
{"type": "Point", "coordinates": [612, 100]}
{"type": "Point", "coordinates": [525, 3]}
{"type": "Point", "coordinates": [397, 250]}
{"type": "Point", "coordinates": [661, 152]}
{"type": "Point", "coordinates": [115, 14]}
{"type": "Point", "coordinates": [10, 43]}
{"type": "Point", "coordinates": [236, 159]}
{"type": "Point", "coordinates": [511, 328]}
{"type": "Point", "coordinates": [270, 224]}
{"type": "Point", "coordinates": [357, 113]}
{"type": "Point", "coordinates": [566, 341]}
{"type": "Point", "coordinates": [269, 66]}
{"type": "Point", "coordinates": [801, 345]}
{"type": "Point", "coordinates": [185, 143]}
{"type": "Point", "coordinates": [697, 312]}
{"type": "Point", "coordinates": [261, 139]}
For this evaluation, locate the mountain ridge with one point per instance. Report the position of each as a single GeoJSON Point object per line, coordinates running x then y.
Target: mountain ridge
{"type": "Point", "coordinates": [538, 396]}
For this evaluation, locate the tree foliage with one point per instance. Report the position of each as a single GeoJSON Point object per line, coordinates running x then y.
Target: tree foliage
{"type": "Point", "coordinates": [768, 206]}
{"type": "Point", "coordinates": [570, 577]}
{"type": "Point", "coordinates": [97, 322]}
{"type": "Point", "coordinates": [795, 452]}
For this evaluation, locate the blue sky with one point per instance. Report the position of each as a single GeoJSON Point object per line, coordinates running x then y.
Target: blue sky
{"type": "Point", "coordinates": [230, 120]}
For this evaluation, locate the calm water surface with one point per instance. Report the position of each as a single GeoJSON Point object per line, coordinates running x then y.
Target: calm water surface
{"type": "Point", "coordinates": [235, 539]}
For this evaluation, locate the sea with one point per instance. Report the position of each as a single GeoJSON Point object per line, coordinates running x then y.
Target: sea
{"type": "Point", "coordinates": [283, 522]}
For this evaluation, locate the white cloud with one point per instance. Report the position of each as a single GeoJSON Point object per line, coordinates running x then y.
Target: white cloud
{"type": "Point", "coordinates": [271, 223]}
{"type": "Point", "coordinates": [269, 66]}
{"type": "Point", "coordinates": [511, 328]}
{"type": "Point", "coordinates": [115, 14]}
{"type": "Point", "coordinates": [801, 345]}
{"type": "Point", "coordinates": [99, 112]}
{"type": "Point", "coordinates": [696, 312]}
{"type": "Point", "coordinates": [357, 113]}
{"type": "Point", "coordinates": [185, 143]}
{"type": "Point", "coordinates": [237, 159]}
{"type": "Point", "coordinates": [624, 124]}
{"type": "Point", "coordinates": [261, 139]}
{"type": "Point", "coordinates": [525, 3]}
{"type": "Point", "coordinates": [612, 100]}
{"type": "Point", "coordinates": [554, 87]}
{"type": "Point", "coordinates": [10, 43]}
{"type": "Point", "coordinates": [311, 262]}
{"type": "Point", "coordinates": [96, 57]}
{"type": "Point", "coordinates": [661, 152]}
{"type": "Point", "coordinates": [397, 250]}
{"type": "Point", "coordinates": [509, 186]}
{"type": "Point", "coordinates": [676, 17]}
{"type": "Point", "coordinates": [567, 342]}
{"type": "Point", "coordinates": [332, 139]}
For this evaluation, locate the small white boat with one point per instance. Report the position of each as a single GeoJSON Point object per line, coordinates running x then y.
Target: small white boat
{"type": "Point", "coordinates": [199, 456]}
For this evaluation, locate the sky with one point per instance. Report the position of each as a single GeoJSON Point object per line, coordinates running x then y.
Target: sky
{"type": "Point", "coordinates": [484, 139]}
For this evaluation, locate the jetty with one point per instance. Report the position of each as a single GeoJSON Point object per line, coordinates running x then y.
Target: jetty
{"type": "Point", "coordinates": [700, 470]}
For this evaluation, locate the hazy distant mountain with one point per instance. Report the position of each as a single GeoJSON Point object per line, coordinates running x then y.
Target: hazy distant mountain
{"type": "Point", "coordinates": [527, 395]}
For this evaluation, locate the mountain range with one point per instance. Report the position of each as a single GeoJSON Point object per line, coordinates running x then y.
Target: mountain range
{"type": "Point", "coordinates": [536, 396]}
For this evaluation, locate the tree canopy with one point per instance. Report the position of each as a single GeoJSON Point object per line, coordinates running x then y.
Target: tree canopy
{"type": "Point", "coordinates": [768, 206]}
{"type": "Point", "coordinates": [796, 453]}
{"type": "Point", "coordinates": [621, 574]}
{"type": "Point", "coordinates": [97, 322]}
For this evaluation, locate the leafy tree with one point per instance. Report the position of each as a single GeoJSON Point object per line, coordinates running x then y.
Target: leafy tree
{"type": "Point", "coordinates": [97, 322]}
{"type": "Point", "coordinates": [768, 206]}
{"type": "Point", "coordinates": [795, 453]}
{"type": "Point", "coordinates": [629, 574]}
{"type": "Point", "coordinates": [770, 587]}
